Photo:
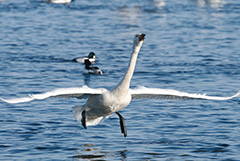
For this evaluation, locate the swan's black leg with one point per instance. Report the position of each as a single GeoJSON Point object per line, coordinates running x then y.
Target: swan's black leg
{"type": "Point", "coordinates": [122, 124]}
{"type": "Point", "coordinates": [84, 119]}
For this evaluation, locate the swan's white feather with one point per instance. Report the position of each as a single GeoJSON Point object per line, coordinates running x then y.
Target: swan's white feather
{"type": "Point", "coordinates": [157, 93]}
{"type": "Point", "coordinates": [81, 92]}
{"type": "Point", "coordinates": [77, 111]}
{"type": "Point", "coordinates": [17, 100]}
{"type": "Point", "coordinates": [137, 93]}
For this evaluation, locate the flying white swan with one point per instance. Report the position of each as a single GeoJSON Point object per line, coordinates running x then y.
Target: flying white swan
{"type": "Point", "coordinates": [103, 103]}
{"type": "Point", "coordinates": [89, 69]}
{"type": "Point", "coordinates": [91, 57]}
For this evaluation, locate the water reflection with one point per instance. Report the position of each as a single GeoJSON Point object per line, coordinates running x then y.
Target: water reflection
{"type": "Point", "coordinates": [87, 79]}
{"type": "Point", "coordinates": [159, 3]}
{"type": "Point", "coordinates": [89, 152]}
{"type": "Point", "coordinates": [133, 13]}
{"type": "Point", "coordinates": [123, 154]}
{"type": "Point", "coordinates": [92, 152]}
{"type": "Point", "coordinates": [130, 14]}
{"type": "Point", "coordinates": [216, 4]}
{"type": "Point", "coordinates": [89, 156]}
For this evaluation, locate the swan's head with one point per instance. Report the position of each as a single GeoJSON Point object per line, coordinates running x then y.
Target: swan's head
{"type": "Point", "coordinates": [91, 55]}
{"type": "Point", "coordinates": [138, 39]}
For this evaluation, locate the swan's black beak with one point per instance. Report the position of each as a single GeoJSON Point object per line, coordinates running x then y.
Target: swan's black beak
{"type": "Point", "coordinates": [141, 37]}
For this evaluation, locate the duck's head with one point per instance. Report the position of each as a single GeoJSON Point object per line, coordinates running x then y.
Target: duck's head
{"type": "Point", "coordinates": [138, 39]}
{"type": "Point", "coordinates": [91, 55]}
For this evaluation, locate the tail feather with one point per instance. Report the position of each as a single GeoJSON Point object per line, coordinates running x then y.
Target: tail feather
{"type": "Point", "coordinates": [77, 111]}
{"type": "Point", "coordinates": [95, 121]}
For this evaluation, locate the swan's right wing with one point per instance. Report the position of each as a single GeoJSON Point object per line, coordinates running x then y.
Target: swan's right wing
{"type": "Point", "coordinates": [157, 93]}
{"type": "Point", "coordinates": [81, 92]}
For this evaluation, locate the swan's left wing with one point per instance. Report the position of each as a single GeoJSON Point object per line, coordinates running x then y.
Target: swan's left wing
{"type": "Point", "coordinates": [157, 93]}
{"type": "Point", "coordinates": [81, 92]}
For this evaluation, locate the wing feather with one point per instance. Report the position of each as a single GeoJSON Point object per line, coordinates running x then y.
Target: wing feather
{"type": "Point", "coordinates": [17, 100]}
{"type": "Point", "coordinates": [81, 92]}
{"type": "Point", "coordinates": [157, 93]}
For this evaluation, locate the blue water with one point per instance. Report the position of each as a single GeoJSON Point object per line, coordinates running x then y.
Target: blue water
{"type": "Point", "coordinates": [191, 46]}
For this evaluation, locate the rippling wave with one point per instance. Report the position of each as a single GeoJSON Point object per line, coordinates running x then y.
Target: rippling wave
{"type": "Point", "coordinates": [191, 45]}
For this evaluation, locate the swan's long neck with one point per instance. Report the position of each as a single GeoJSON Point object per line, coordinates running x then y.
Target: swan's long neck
{"type": "Point", "coordinates": [123, 86]}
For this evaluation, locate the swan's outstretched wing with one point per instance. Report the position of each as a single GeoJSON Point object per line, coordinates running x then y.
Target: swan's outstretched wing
{"type": "Point", "coordinates": [156, 93]}
{"type": "Point", "coordinates": [81, 92]}
{"type": "Point", "coordinates": [17, 100]}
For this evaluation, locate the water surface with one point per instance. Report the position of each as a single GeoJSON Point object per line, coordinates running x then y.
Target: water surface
{"type": "Point", "coordinates": [191, 46]}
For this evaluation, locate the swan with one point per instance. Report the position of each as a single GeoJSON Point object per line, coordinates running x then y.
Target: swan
{"type": "Point", "coordinates": [101, 103]}
{"type": "Point", "coordinates": [91, 69]}
{"type": "Point", "coordinates": [59, 1]}
{"type": "Point", "coordinates": [91, 57]}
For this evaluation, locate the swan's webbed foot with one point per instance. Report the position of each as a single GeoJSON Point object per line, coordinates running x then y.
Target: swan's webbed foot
{"type": "Point", "coordinates": [83, 120]}
{"type": "Point", "coordinates": [122, 124]}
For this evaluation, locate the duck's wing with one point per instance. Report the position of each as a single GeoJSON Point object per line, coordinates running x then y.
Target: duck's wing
{"type": "Point", "coordinates": [81, 92]}
{"type": "Point", "coordinates": [79, 59]}
{"type": "Point", "coordinates": [156, 93]}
